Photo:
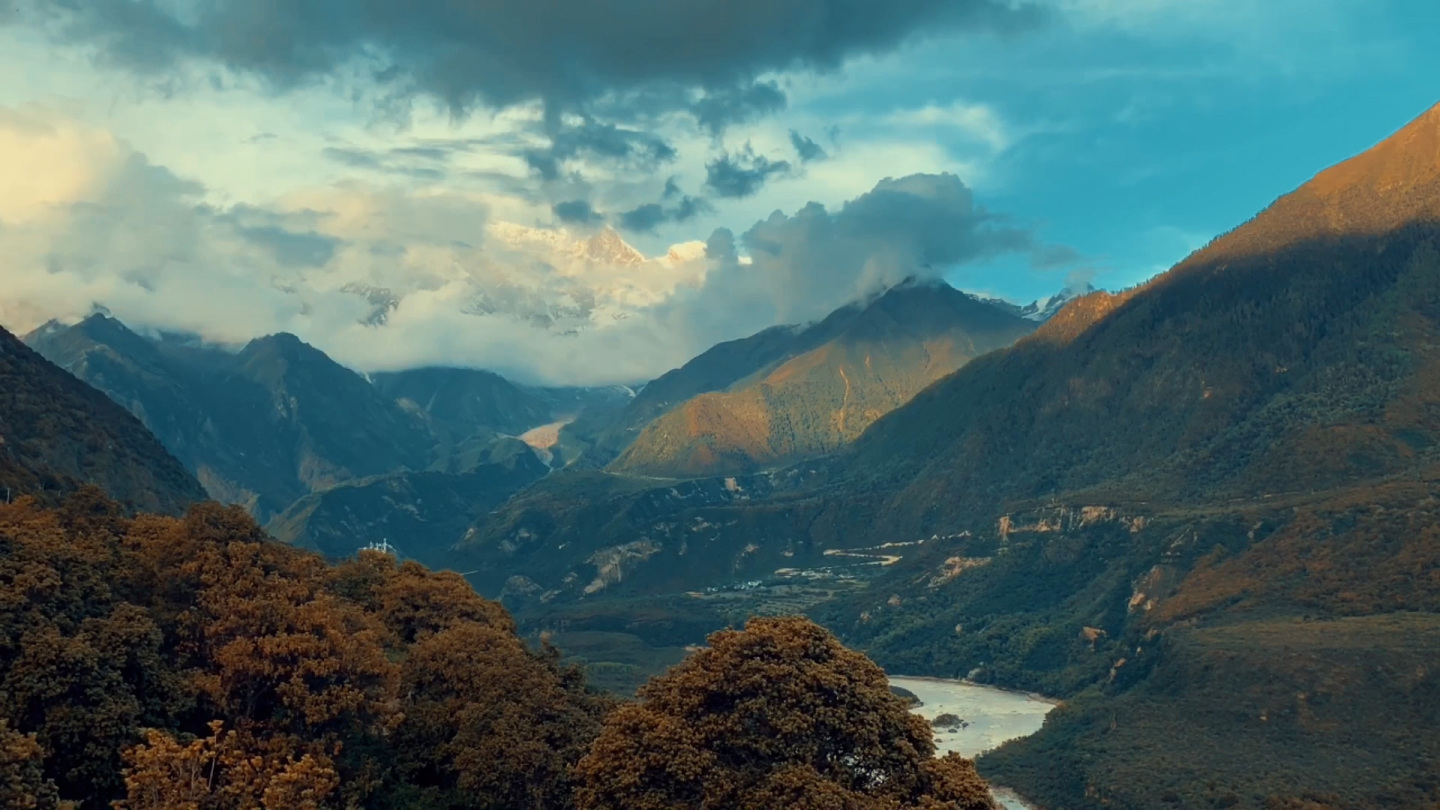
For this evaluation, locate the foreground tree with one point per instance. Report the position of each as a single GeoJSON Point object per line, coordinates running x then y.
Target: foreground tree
{"type": "Point", "coordinates": [777, 715]}
{"type": "Point", "coordinates": [154, 663]}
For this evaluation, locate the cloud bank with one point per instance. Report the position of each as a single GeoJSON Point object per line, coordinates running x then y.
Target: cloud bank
{"type": "Point", "coordinates": [384, 277]}
{"type": "Point", "coordinates": [467, 54]}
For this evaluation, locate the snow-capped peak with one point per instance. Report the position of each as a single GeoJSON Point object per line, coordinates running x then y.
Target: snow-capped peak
{"type": "Point", "coordinates": [1039, 310]}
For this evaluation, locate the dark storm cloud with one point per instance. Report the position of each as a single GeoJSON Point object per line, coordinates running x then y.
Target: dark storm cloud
{"type": "Point", "coordinates": [742, 174]}
{"type": "Point", "coordinates": [469, 53]}
{"type": "Point", "coordinates": [625, 147]}
{"type": "Point", "coordinates": [737, 105]}
{"type": "Point", "coordinates": [674, 206]}
{"type": "Point", "coordinates": [806, 148]}
{"type": "Point", "coordinates": [575, 212]}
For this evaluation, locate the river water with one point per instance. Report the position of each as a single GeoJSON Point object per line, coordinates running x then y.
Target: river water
{"type": "Point", "coordinates": [992, 716]}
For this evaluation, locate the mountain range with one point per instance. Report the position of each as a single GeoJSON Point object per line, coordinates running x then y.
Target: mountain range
{"type": "Point", "coordinates": [278, 420]}
{"type": "Point", "coordinates": [830, 383]}
{"type": "Point", "coordinates": [1213, 491]}
{"type": "Point", "coordinates": [1202, 511]}
{"type": "Point", "coordinates": [322, 454]}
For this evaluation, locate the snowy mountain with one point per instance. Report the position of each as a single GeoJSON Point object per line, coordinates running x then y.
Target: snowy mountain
{"type": "Point", "coordinates": [550, 278]}
{"type": "Point", "coordinates": [1039, 310]}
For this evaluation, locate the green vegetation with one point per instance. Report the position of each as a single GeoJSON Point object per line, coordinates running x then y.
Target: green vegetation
{"type": "Point", "coordinates": [261, 427]}
{"type": "Point", "coordinates": [1272, 715]}
{"type": "Point", "coordinates": [425, 513]}
{"type": "Point", "coordinates": [776, 715]}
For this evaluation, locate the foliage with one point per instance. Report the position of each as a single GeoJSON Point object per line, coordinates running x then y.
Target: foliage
{"type": "Point", "coordinates": [23, 785]}
{"type": "Point", "coordinates": [195, 663]}
{"type": "Point", "coordinates": [779, 714]}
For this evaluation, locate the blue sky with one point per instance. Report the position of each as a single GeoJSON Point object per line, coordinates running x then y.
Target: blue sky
{"type": "Point", "coordinates": [201, 166]}
{"type": "Point", "coordinates": [1160, 138]}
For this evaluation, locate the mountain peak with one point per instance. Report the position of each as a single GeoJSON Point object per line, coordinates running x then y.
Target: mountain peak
{"type": "Point", "coordinates": [608, 247]}
{"type": "Point", "coordinates": [1406, 160]}
{"type": "Point", "coordinates": [1394, 183]}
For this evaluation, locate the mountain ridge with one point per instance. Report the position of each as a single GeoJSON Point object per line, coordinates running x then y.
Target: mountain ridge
{"type": "Point", "coordinates": [57, 434]}
{"type": "Point", "coordinates": [866, 359]}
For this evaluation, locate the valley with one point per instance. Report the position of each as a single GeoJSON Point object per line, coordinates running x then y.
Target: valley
{"type": "Point", "coordinates": [1199, 513]}
{"type": "Point", "coordinates": [691, 405]}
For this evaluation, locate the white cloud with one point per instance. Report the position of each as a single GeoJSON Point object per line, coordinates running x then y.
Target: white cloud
{"type": "Point", "coordinates": [977, 121]}
{"type": "Point", "coordinates": [394, 276]}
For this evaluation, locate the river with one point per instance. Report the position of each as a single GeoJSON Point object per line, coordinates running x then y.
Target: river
{"type": "Point", "coordinates": [992, 716]}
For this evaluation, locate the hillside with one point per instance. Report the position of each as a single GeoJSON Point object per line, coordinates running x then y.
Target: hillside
{"type": "Point", "coordinates": [866, 361]}
{"type": "Point", "coordinates": [57, 433]}
{"type": "Point", "coordinates": [261, 427]}
{"type": "Point", "coordinates": [422, 513]}
{"type": "Point", "coordinates": [1251, 438]}
{"type": "Point", "coordinates": [456, 403]}
{"type": "Point", "coordinates": [1305, 364]}
{"type": "Point", "coordinates": [599, 438]}
{"type": "Point", "coordinates": [467, 409]}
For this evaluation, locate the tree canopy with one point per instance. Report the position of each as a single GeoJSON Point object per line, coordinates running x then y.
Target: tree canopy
{"type": "Point", "coordinates": [779, 714]}
{"type": "Point", "coordinates": [156, 663]}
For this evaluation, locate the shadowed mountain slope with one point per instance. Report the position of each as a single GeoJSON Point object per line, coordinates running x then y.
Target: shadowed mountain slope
{"type": "Point", "coordinates": [261, 427]}
{"type": "Point", "coordinates": [57, 433]}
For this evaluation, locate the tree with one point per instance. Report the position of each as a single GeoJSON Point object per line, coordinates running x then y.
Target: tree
{"type": "Point", "coordinates": [777, 715]}
{"type": "Point", "coordinates": [23, 785]}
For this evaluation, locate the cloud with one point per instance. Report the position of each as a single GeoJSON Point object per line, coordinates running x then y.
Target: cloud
{"type": "Point", "coordinates": [291, 248]}
{"type": "Point", "coordinates": [674, 206]}
{"type": "Point", "coordinates": [815, 260]}
{"type": "Point", "coordinates": [978, 122]}
{"type": "Point", "coordinates": [565, 54]}
{"type": "Point", "coordinates": [626, 148]}
{"type": "Point", "coordinates": [390, 276]}
{"type": "Point", "coordinates": [742, 174]}
{"type": "Point", "coordinates": [806, 148]}
{"type": "Point", "coordinates": [737, 105]}
{"type": "Point", "coordinates": [576, 212]}
{"type": "Point", "coordinates": [395, 161]}
{"type": "Point", "coordinates": [646, 218]}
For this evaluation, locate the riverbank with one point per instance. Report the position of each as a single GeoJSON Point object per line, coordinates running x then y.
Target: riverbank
{"type": "Point", "coordinates": [987, 716]}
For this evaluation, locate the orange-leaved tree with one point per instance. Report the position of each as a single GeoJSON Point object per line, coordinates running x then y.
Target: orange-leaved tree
{"type": "Point", "coordinates": [777, 715]}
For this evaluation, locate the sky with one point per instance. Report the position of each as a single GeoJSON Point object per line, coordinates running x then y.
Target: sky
{"type": "Point", "coordinates": [413, 182]}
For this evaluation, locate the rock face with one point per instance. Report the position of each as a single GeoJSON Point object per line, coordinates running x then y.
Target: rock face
{"type": "Point", "coordinates": [57, 433]}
